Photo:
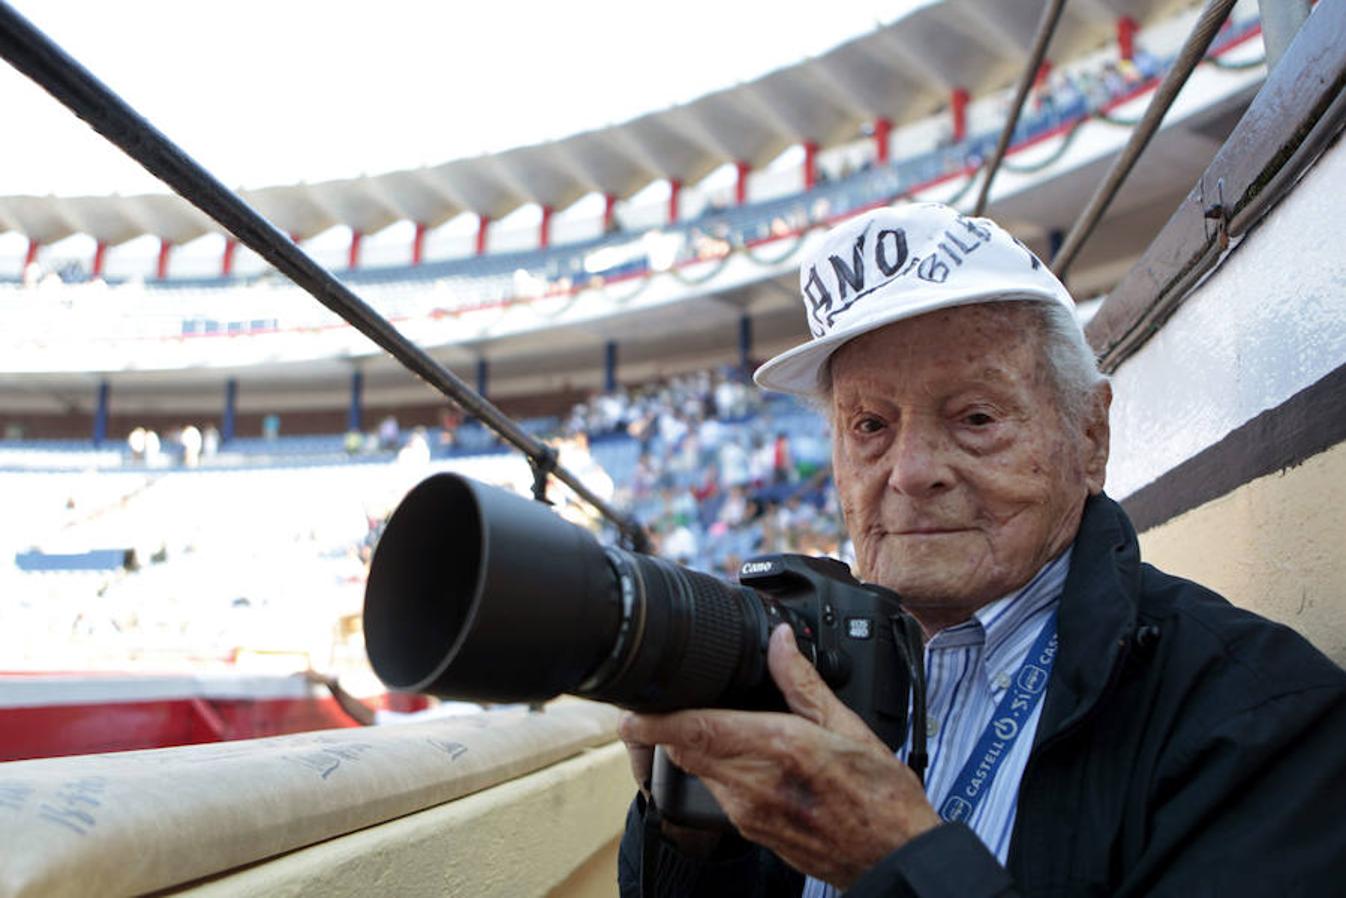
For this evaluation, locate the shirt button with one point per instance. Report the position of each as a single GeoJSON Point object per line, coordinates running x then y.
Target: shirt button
{"type": "Point", "coordinates": [932, 727]}
{"type": "Point", "coordinates": [1002, 681]}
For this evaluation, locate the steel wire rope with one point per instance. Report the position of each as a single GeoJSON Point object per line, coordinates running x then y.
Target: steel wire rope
{"type": "Point", "coordinates": [784, 256]}
{"type": "Point", "coordinates": [1106, 117]}
{"type": "Point", "coordinates": [1190, 56]}
{"type": "Point", "coordinates": [698, 280]}
{"type": "Point", "coordinates": [642, 284]}
{"type": "Point", "coordinates": [35, 55]}
{"type": "Point", "coordinates": [1029, 168]}
{"type": "Point", "coordinates": [1051, 14]}
{"type": "Point", "coordinates": [1234, 66]}
{"type": "Point", "coordinates": [969, 180]}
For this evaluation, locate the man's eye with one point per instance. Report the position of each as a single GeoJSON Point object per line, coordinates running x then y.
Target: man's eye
{"type": "Point", "coordinates": [978, 419]}
{"type": "Point", "coordinates": [868, 425]}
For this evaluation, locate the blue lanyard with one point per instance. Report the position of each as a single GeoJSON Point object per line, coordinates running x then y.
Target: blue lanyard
{"type": "Point", "coordinates": [1025, 691]}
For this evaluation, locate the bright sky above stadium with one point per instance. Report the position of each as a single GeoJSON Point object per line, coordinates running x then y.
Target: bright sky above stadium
{"type": "Point", "coordinates": [281, 91]}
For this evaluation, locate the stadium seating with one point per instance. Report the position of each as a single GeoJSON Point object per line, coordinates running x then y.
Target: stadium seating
{"type": "Point", "coordinates": [262, 547]}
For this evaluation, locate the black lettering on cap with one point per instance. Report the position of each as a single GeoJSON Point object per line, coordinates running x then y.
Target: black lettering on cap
{"type": "Point", "coordinates": [960, 244]}
{"type": "Point", "coordinates": [1032, 256]}
{"type": "Point", "coordinates": [975, 229]}
{"type": "Point", "coordinates": [820, 301]}
{"type": "Point", "coordinates": [897, 237]}
{"type": "Point", "coordinates": [933, 269]}
{"type": "Point", "coordinates": [855, 273]}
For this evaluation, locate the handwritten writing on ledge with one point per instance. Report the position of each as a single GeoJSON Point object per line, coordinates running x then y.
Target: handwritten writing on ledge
{"type": "Point", "coordinates": [72, 804]}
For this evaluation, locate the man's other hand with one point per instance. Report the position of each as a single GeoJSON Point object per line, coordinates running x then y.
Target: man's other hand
{"type": "Point", "coordinates": [641, 756]}
{"type": "Point", "coordinates": [817, 787]}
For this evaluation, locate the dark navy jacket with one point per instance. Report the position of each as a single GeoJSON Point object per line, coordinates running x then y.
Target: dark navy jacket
{"type": "Point", "coordinates": [1186, 748]}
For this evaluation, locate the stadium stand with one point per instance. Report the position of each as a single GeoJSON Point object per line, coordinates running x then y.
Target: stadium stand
{"type": "Point", "coordinates": [716, 471]}
{"type": "Point", "coordinates": [209, 572]}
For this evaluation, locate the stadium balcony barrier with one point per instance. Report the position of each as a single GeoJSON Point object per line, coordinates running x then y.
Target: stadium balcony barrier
{"type": "Point", "coordinates": [93, 326]}
{"type": "Point", "coordinates": [91, 560]}
{"type": "Point", "coordinates": [623, 255]}
{"type": "Point", "coordinates": [469, 439]}
{"type": "Point", "coordinates": [443, 806]}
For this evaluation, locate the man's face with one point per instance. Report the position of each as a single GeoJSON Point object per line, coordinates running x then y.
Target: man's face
{"type": "Point", "coordinates": [958, 475]}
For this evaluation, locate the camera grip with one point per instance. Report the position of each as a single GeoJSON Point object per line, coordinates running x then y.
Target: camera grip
{"type": "Point", "coordinates": [682, 798]}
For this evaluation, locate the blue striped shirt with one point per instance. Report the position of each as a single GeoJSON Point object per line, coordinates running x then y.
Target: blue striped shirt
{"type": "Point", "coordinates": [968, 668]}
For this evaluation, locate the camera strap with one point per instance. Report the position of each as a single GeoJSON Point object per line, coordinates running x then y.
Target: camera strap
{"type": "Point", "coordinates": [649, 847]}
{"type": "Point", "coordinates": [1007, 724]}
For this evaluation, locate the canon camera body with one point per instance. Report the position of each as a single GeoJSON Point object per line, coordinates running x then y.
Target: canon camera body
{"type": "Point", "coordinates": [857, 637]}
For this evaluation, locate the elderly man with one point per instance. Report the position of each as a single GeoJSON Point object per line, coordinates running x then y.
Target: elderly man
{"type": "Point", "coordinates": [1182, 746]}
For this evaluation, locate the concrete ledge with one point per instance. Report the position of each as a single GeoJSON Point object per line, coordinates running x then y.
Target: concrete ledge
{"type": "Point", "coordinates": [552, 832]}
{"type": "Point", "coordinates": [142, 821]}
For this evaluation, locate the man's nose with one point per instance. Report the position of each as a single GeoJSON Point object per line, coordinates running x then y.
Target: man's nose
{"type": "Point", "coordinates": [918, 459]}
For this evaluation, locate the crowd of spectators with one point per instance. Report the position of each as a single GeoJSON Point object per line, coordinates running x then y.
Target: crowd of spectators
{"type": "Point", "coordinates": [1067, 94]}
{"type": "Point", "coordinates": [720, 472]}
{"type": "Point", "coordinates": [184, 446]}
{"type": "Point", "coordinates": [714, 469]}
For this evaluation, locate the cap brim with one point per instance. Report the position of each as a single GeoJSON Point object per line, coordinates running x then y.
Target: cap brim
{"type": "Point", "coordinates": [798, 370]}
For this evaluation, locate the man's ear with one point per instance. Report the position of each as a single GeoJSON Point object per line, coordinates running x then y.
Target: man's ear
{"type": "Point", "coordinates": [1097, 438]}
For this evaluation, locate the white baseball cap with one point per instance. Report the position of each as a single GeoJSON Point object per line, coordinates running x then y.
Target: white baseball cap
{"type": "Point", "coordinates": [896, 263]}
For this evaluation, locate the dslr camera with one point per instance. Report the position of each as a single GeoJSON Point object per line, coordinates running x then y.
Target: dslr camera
{"type": "Point", "coordinates": [477, 594]}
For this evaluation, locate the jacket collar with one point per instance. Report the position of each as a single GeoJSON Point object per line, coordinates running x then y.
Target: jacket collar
{"type": "Point", "coordinates": [1097, 615]}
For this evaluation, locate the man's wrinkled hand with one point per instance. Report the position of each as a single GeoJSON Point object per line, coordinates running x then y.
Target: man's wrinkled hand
{"type": "Point", "coordinates": [817, 787]}
{"type": "Point", "coordinates": [696, 842]}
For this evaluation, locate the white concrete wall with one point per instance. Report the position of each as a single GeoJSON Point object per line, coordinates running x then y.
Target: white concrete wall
{"type": "Point", "coordinates": [553, 832]}
{"type": "Point", "coordinates": [1270, 321]}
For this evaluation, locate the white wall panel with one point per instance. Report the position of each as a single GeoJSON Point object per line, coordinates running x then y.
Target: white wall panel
{"type": "Point", "coordinates": [1268, 323]}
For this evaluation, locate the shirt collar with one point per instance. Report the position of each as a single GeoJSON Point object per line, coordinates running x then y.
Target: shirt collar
{"type": "Point", "coordinates": [996, 621]}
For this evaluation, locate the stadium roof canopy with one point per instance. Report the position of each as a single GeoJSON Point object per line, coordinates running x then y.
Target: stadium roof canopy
{"type": "Point", "coordinates": [898, 72]}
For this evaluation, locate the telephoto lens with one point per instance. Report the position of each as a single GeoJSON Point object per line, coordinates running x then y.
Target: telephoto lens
{"type": "Point", "coordinates": [475, 593]}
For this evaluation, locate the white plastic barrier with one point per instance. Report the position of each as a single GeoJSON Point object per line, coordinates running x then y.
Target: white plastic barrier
{"type": "Point", "coordinates": [136, 822]}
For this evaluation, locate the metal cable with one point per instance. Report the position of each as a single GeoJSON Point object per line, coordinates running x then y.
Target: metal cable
{"type": "Point", "coordinates": [1055, 156]}
{"type": "Point", "coordinates": [1051, 14]}
{"type": "Point", "coordinates": [1193, 50]}
{"type": "Point", "coordinates": [37, 56]}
